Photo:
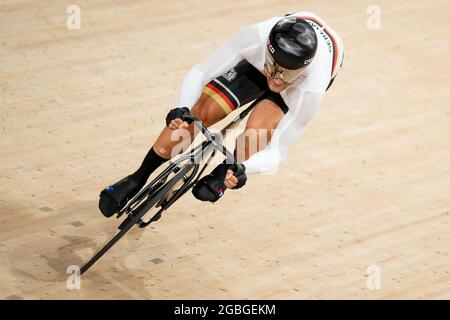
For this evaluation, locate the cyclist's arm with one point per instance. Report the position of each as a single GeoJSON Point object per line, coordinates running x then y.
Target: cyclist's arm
{"type": "Point", "coordinates": [243, 44]}
{"type": "Point", "coordinates": [287, 133]}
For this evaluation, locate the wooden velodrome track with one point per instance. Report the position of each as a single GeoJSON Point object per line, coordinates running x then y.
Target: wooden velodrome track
{"type": "Point", "coordinates": [368, 184]}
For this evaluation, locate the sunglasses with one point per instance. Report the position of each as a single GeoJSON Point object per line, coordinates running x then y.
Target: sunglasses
{"type": "Point", "coordinates": [276, 71]}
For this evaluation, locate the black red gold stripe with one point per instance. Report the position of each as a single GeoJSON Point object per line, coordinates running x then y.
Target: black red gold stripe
{"type": "Point", "coordinates": [220, 97]}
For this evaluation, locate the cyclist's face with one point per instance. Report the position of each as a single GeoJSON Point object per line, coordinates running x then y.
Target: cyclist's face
{"type": "Point", "coordinates": [279, 78]}
{"type": "Point", "coordinates": [275, 84]}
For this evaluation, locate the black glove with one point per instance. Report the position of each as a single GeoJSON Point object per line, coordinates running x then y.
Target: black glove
{"type": "Point", "coordinates": [211, 187]}
{"type": "Point", "coordinates": [239, 173]}
{"type": "Point", "coordinates": [176, 113]}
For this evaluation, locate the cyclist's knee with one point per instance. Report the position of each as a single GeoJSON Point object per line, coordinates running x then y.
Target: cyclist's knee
{"type": "Point", "coordinates": [265, 115]}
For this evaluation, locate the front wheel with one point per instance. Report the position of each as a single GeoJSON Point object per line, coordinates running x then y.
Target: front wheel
{"type": "Point", "coordinates": [135, 215]}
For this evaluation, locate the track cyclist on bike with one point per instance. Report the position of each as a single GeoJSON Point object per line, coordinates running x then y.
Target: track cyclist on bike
{"type": "Point", "coordinates": [285, 64]}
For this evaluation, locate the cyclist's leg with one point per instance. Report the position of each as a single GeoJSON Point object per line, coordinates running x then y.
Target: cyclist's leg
{"type": "Point", "coordinates": [114, 197]}
{"type": "Point", "coordinates": [259, 129]}
{"type": "Point", "coordinates": [262, 121]}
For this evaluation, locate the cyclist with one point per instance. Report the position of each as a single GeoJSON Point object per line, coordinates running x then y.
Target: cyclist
{"type": "Point", "coordinates": [285, 64]}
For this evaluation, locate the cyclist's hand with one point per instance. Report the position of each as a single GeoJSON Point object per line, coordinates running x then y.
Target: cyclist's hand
{"type": "Point", "coordinates": [173, 118]}
{"type": "Point", "coordinates": [230, 180]}
{"type": "Point", "coordinates": [178, 124]}
{"type": "Point", "coordinates": [235, 177]}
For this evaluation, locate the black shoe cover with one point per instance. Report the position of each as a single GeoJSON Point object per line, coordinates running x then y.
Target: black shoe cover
{"type": "Point", "coordinates": [116, 196]}
{"type": "Point", "coordinates": [211, 187]}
